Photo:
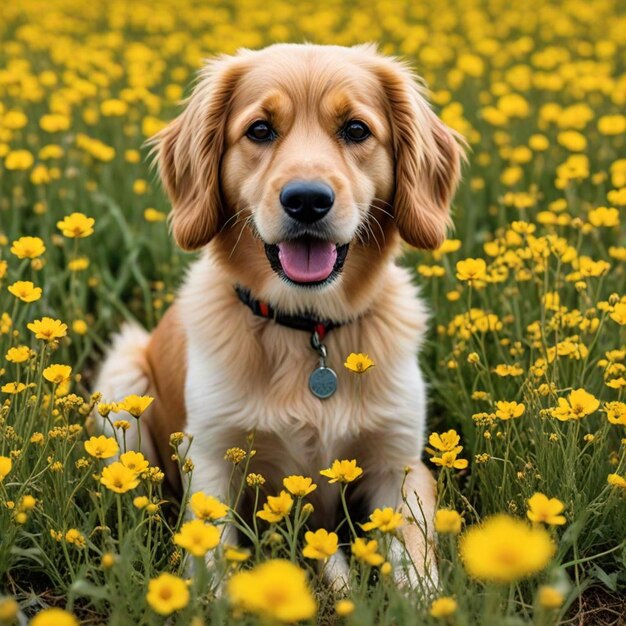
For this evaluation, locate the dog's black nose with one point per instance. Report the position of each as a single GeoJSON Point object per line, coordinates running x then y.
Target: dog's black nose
{"type": "Point", "coordinates": [307, 201]}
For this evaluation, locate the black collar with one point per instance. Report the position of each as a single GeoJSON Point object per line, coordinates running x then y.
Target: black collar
{"type": "Point", "coordinates": [307, 323]}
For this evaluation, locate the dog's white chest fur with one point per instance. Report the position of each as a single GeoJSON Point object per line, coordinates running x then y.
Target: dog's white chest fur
{"type": "Point", "coordinates": [256, 381]}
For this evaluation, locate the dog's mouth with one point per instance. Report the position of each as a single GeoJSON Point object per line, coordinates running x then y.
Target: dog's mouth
{"type": "Point", "coordinates": [306, 260]}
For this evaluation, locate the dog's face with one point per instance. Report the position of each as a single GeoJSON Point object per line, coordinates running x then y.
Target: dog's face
{"type": "Point", "coordinates": [302, 162]}
{"type": "Point", "coordinates": [308, 152]}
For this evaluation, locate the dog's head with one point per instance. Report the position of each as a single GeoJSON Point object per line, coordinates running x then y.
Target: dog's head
{"type": "Point", "coordinates": [302, 163]}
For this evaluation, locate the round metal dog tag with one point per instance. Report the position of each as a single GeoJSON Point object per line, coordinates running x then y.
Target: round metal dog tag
{"type": "Point", "coordinates": [323, 382]}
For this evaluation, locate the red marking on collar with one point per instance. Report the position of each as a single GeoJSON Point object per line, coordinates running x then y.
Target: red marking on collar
{"type": "Point", "coordinates": [321, 330]}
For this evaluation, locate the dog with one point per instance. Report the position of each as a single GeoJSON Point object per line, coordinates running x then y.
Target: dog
{"type": "Point", "coordinates": [298, 170]}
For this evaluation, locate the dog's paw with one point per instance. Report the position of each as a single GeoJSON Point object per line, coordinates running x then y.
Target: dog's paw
{"type": "Point", "coordinates": [419, 575]}
{"type": "Point", "coordinates": [337, 573]}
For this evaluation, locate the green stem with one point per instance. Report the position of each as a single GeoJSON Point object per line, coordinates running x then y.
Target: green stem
{"type": "Point", "coordinates": [344, 504]}
{"type": "Point", "coordinates": [120, 533]}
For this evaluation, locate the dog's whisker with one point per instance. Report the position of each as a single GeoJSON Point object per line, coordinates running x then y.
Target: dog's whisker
{"type": "Point", "coordinates": [382, 232]}
{"type": "Point", "coordinates": [365, 205]}
{"type": "Point", "coordinates": [236, 216]}
{"type": "Point", "coordinates": [379, 208]}
{"type": "Point", "coordinates": [358, 235]}
{"type": "Point", "coordinates": [245, 223]}
{"type": "Point", "coordinates": [373, 235]}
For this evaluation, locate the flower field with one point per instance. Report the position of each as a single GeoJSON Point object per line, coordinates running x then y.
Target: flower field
{"type": "Point", "coordinates": [526, 355]}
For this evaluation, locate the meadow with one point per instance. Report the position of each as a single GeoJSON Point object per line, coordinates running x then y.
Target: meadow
{"type": "Point", "coordinates": [526, 355]}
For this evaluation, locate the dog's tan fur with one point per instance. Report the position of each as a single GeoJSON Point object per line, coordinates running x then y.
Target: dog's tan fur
{"type": "Point", "coordinates": [224, 190]}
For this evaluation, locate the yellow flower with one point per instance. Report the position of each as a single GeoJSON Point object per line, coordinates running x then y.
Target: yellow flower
{"type": "Point", "coordinates": [320, 544]}
{"type": "Point", "coordinates": [13, 388]}
{"type": "Point", "coordinates": [544, 509]}
{"type": "Point", "coordinates": [151, 125]}
{"type": "Point", "coordinates": [445, 442]}
{"type": "Point", "coordinates": [235, 455]}
{"type": "Point", "coordinates": [236, 555]}
{"type": "Point", "coordinates": [507, 370]}
{"type": "Point", "coordinates": [152, 215]}
{"type": "Point", "coordinates": [443, 607]}
{"type": "Point", "coordinates": [78, 264]}
{"type": "Point", "coordinates": [342, 471]}
{"type": "Point", "coordinates": [28, 247]}
{"type": "Point", "coordinates": [57, 374]}
{"type": "Point", "coordinates": [75, 537]}
{"type": "Point", "coordinates": [5, 467]}
{"type": "Point", "coordinates": [579, 404]}
{"type": "Point", "coordinates": [134, 461]}
{"type": "Point", "coordinates": [448, 521]}
{"type": "Point", "coordinates": [113, 107]}
{"type": "Point", "coordinates": [618, 314]}
{"type": "Point", "coordinates": [449, 459]}
{"type": "Point", "coordinates": [54, 617]}
{"type": "Point", "coordinates": [549, 597]}
{"type": "Point", "coordinates": [9, 609]}
{"type": "Point", "coordinates": [504, 549]}
{"type": "Point", "coordinates": [101, 447]}
{"type": "Point", "coordinates": [386, 520]}
{"type": "Point", "coordinates": [367, 552]}
{"type": "Point", "coordinates": [51, 151]}
{"type": "Point", "coordinates": [135, 405]}
{"type": "Point", "coordinates": [197, 537]}
{"type": "Point", "coordinates": [509, 410]}
{"type": "Point", "coordinates": [343, 608]}
{"type": "Point", "coordinates": [48, 329]}
{"type": "Point", "coordinates": [79, 327]}
{"type": "Point", "coordinates": [615, 412]}
{"type": "Point", "coordinates": [276, 508]}
{"type": "Point", "coordinates": [132, 156]}
{"type": "Point", "coordinates": [471, 270]}
{"type": "Point", "coordinates": [358, 363]}
{"type": "Point", "coordinates": [76, 225]}
{"type": "Point", "coordinates": [119, 478]}
{"type": "Point", "coordinates": [18, 160]}
{"type": "Point", "coordinates": [25, 290]}
{"type": "Point", "coordinates": [19, 354]}
{"type": "Point", "coordinates": [140, 187]}
{"type": "Point", "coordinates": [299, 486]}
{"type": "Point", "coordinates": [5, 323]}
{"type": "Point", "coordinates": [141, 502]}
{"type": "Point", "coordinates": [53, 123]}
{"type": "Point", "coordinates": [108, 560]}
{"type": "Point", "coordinates": [612, 124]}
{"type": "Point", "coordinates": [615, 480]}
{"type": "Point", "coordinates": [28, 503]}
{"type": "Point", "coordinates": [448, 246]}
{"type": "Point", "coordinates": [572, 140]}
{"type": "Point", "coordinates": [207, 507]}
{"type": "Point", "coordinates": [603, 216]}
{"type": "Point", "coordinates": [275, 590]}
{"type": "Point", "coordinates": [14, 119]}
{"type": "Point", "coordinates": [167, 593]}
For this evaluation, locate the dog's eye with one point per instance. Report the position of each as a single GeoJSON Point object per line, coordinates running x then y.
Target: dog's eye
{"type": "Point", "coordinates": [355, 130]}
{"type": "Point", "coordinates": [261, 132]}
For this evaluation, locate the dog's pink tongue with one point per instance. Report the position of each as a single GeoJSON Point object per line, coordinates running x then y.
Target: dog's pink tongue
{"type": "Point", "coordinates": [307, 261]}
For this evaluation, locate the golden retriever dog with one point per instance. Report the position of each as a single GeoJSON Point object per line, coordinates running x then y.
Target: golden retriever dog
{"type": "Point", "coordinates": [298, 170]}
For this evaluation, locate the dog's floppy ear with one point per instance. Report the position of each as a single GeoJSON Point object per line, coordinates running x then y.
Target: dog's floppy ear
{"type": "Point", "coordinates": [427, 158]}
{"type": "Point", "coordinates": [189, 152]}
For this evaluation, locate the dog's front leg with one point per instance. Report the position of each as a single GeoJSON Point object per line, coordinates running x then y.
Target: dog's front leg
{"type": "Point", "coordinates": [413, 556]}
